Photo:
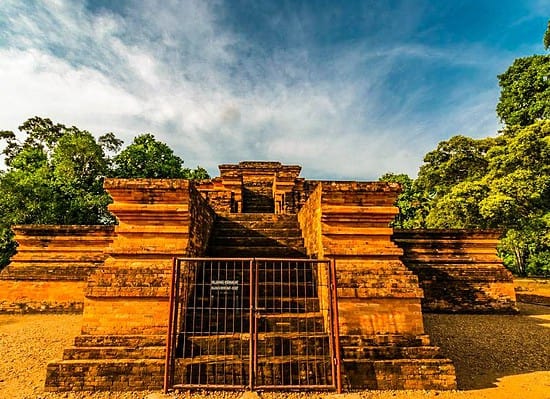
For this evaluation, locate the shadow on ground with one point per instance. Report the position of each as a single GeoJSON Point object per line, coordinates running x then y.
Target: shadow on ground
{"type": "Point", "coordinates": [487, 347]}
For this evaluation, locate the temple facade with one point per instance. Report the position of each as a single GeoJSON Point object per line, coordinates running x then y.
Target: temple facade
{"type": "Point", "coordinates": [379, 281]}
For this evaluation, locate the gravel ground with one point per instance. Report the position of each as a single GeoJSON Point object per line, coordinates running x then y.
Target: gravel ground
{"type": "Point", "coordinates": [496, 356]}
{"type": "Point", "coordinates": [486, 347]}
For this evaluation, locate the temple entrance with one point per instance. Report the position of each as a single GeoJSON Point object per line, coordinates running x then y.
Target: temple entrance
{"type": "Point", "coordinates": [258, 197]}
{"type": "Point", "coordinates": [252, 324]}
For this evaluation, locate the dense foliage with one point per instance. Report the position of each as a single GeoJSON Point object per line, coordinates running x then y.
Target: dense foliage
{"type": "Point", "coordinates": [148, 157]}
{"type": "Point", "coordinates": [54, 175]}
{"type": "Point", "coordinates": [501, 182]}
{"type": "Point", "coordinates": [525, 91]}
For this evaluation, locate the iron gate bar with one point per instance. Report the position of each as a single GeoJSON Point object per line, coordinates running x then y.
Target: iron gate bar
{"type": "Point", "coordinates": [336, 327]}
{"type": "Point", "coordinates": [251, 321]}
{"type": "Point", "coordinates": [306, 358]}
{"type": "Point", "coordinates": [170, 348]}
{"type": "Point", "coordinates": [178, 315]}
{"type": "Point", "coordinates": [175, 318]}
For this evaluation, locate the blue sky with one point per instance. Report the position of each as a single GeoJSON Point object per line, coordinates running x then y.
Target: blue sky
{"type": "Point", "coordinates": [349, 90]}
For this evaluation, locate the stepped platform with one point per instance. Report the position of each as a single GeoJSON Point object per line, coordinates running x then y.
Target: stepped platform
{"type": "Point", "coordinates": [49, 271]}
{"type": "Point", "coordinates": [114, 361]}
{"type": "Point", "coordinates": [277, 316]}
{"type": "Point", "coordinates": [261, 235]}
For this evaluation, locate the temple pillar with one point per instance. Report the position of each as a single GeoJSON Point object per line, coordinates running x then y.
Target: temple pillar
{"type": "Point", "coordinates": [125, 318]}
{"type": "Point", "coordinates": [378, 297]}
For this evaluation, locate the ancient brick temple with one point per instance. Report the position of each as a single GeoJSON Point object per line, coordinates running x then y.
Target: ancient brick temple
{"type": "Point", "coordinates": [265, 210]}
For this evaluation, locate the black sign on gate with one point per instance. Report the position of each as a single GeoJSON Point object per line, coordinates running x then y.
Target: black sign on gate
{"type": "Point", "coordinates": [252, 324]}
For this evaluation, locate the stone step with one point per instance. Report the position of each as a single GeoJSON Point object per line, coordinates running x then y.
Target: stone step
{"type": "Point", "coordinates": [294, 273]}
{"type": "Point", "coordinates": [281, 227]}
{"type": "Point", "coordinates": [220, 344]}
{"type": "Point", "coordinates": [286, 290]}
{"type": "Point", "coordinates": [239, 231]}
{"type": "Point", "coordinates": [291, 322]}
{"type": "Point", "coordinates": [114, 352]}
{"type": "Point", "coordinates": [215, 321]}
{"type": "Point", "coordinates": [260, 209]}
{"type": "Point", "coordinates": [267, 344]}
{"type": "Point", "coordinates": [289, 305]}
{"type": "Point", "coordinates": [242, 303]}
{"type": "Point", "coordinates": [294, 371]}
{"type": "Point", "coordinates": [384, 340]}
{"type": "Point", "coordinates": [255, 241]}
{"type": "Point", "coordinates": [256, 252]}
{"type": "Point", "coordinates": [271, 370]}
{"type": "Point", "coordinates": [432, 374]}
{"type": "Point", "coordinates": [269, 216]}
{"type": "Point", "coordinates": [217, 370]}
{"type": "Point", "coordinates": [105, 375]}
{"type": "Point", "coordinates": [120, 340]}
{"type": "Point", "coordinates": [390, 352]}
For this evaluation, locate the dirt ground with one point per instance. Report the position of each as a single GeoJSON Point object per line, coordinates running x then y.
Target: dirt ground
{"type": "Point", "coordinates": [496, 356]}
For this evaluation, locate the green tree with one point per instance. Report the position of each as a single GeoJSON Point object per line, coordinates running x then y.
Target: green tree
{"type": "Point", "coordinates": [54, 176]}
{"type": "Point", "coordinates": [501, 182]}
{"type": "Point", "coordinates": [459, 207]}
{"type": "Point", "coordinates": [525, 91]}
{"type": "Point", "coordinates": [507, 186]}
{"type": "Point", "coordinates": [519, 193]}
{"type": "Point", "coordinates": [453, 161]}
{"type": "Point", "coordinates": [147, 157]}
{"type": "Point", "coordinates": [411, 205]}
{"type": "Point", "coordinates": [199, 173]}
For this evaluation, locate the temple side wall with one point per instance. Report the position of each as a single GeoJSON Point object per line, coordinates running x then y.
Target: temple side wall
{"type": "Point", "coordinates": [153, 227]}
{"type": "Point", "coordinates": [49, 271]}
{"type": "Point", "coordinates": [126, 304]}
{"type": "Point", "coordinates": [355, 232]}
{"type": "Point", "coordinates": [378, 297]}
{"type": "Point", "coordinates": [309, 218]}
{"type": "Point", "coordinates": [459, 270]}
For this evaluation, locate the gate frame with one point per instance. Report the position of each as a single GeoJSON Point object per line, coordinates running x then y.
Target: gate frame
{"type": "Point", "coordinates": [334, 333]}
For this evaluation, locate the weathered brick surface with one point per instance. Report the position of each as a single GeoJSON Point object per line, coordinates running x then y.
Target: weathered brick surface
{"type": "Point", "coordinates": [49, 270]}
{"type": "Point", "coordinates": [128, 296]}
{"type": "Point", "coordinates": [220, 198]}
{"type": "Point", "coordinates": [348, 222]}
{"type": "Point", "coordinates": [264, 186]}
{"type": "Point", "coordinates": [202, 218]}
{"type": "Point", "coordinates": [400, 374]}
{"type": "Point", "coordinates": [105, 375]}
{"type": "Point", "coordinates": [380, 318]}
{"type": "Point", "coordinates": [382, 341]}
{"type": "Point", "coordinates": [459, 270]}
{"type": "Point", "coordinates": [22, 296]}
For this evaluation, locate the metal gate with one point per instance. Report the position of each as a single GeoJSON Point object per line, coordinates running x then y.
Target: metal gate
{"type": "Point", "coordinates": [252, 324]}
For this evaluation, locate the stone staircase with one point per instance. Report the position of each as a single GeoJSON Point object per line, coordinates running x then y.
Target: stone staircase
{"type": "Point", "coordinates": [261, 235]}
{"type": "Point", "coordinates": [292, 341]}
{"type": "Point", "coordinates": [258, 197]}
{"type": "Point", "coordinates": [394, 361]}
{"type": "Point", "coordinates": [96, 362]}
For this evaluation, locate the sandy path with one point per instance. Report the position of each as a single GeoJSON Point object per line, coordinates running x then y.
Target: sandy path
{"type": "Point", "coordinates": [497, 357]}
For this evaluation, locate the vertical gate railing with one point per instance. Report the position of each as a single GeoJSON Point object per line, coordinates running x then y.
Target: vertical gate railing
{"type": "Point", "coordinates": [252, 324]}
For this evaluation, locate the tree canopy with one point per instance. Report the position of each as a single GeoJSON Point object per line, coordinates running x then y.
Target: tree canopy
{"type": "Point", "coordinates": [525, 91]}
{"type": "Point", "coordinates": [498, 182]}
{"type": "Point", "coordinates": [55, 174]}
{"type": "Point", "coordinates": [147, 157]}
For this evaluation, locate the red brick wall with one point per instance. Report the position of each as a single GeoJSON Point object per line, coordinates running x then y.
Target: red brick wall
{"type": "Point", "coordinates": [459, 270]}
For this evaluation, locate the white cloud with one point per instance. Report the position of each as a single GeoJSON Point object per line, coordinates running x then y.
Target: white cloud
{"type": "Point", "coordinates": [34, 83]}
{"type": "Point", "coordinates": [174, 71]}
